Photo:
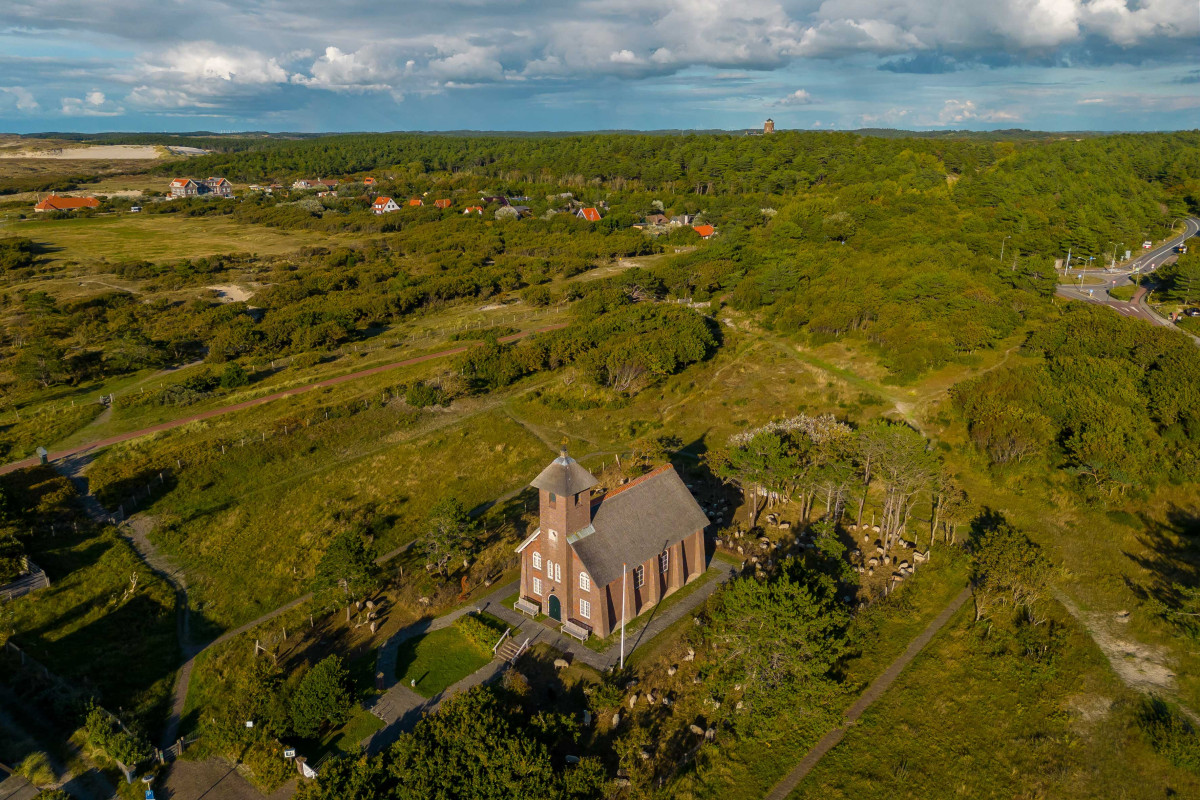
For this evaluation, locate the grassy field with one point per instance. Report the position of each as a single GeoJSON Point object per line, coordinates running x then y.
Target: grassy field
{"type": "Point", "coordinates": [155, 237]}
{"type": "Point", "coordinates": [438, 660]}
{"type": "Point", "coordinates": [962, 722]}
{"type": "Point", "coordinates": [262, 509]}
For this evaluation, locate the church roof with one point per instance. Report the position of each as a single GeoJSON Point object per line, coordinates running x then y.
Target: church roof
{"type": "Point", "coordinates": [564, 477]}
{"type": "Point", "coordinates": [636, 522]}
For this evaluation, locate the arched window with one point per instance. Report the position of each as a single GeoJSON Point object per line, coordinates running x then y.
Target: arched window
{"type": "Point", "coordinates": [585, 581]}
{"type": "Point", "coordinates": [537, 560]}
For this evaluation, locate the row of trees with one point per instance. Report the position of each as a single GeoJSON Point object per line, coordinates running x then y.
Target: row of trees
{"type": "Point", "coordinates": [809, 459]}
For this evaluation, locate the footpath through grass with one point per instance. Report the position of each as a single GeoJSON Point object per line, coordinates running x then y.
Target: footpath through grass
{"type": "Point", "coordinates": [746, 769]}
{"type": "Point", "coordinates": [964, 721]}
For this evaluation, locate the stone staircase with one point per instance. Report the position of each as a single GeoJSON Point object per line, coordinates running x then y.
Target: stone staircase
{"type": "Point", "coordinates": [509, 649]}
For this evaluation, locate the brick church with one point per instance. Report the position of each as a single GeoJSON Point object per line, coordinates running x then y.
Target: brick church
{"type": "Point", "coordinates": [649, 532]}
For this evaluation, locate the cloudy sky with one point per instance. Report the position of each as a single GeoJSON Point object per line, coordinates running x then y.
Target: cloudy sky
{"type": "Point", "coordinates": [323, 65]}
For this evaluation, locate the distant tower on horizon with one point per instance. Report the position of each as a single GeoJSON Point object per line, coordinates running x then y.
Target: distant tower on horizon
{"type": "Point", "coordinates": [769, 126]}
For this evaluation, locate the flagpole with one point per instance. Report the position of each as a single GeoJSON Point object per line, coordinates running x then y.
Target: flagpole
{"type": "Point", "coordinates": [622, 616]}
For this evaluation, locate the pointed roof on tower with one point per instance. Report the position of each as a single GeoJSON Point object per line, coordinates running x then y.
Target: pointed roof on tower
{"type": "Point", "coordinates": [564, 476]}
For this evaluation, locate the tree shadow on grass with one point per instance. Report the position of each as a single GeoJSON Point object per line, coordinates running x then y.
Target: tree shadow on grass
{"type": "Point", "coordinates": [1172, 559]}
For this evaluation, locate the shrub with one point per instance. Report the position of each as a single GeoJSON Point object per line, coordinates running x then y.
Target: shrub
{"type": "Point", "coordinates": [323, 697]}
{"type": "Point", "coordinates": [36, 767]}
{"type": "Point", "coordinates": [234, 376]}
{"type": "Point", "coordinates": [482, 631]}
{"type": "Point", "coordinates": [422, 395]}
{"type": "Point", "coordinates": [1171, 735]}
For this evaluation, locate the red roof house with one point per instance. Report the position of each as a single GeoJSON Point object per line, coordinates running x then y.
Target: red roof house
{"type": "Point", "coordinates": [590, 214]}
{"type": "Point", "coordinates": [705, 231]}
{"type": "Point", "coordinates": [56, 203]}
{"type": "Point", "coordinates": [416, 201]}
{"type": "Point", "coordinates": [442, 203]}
{"type": "Point", "coordinates": [473, 210]}
{"type": "Point", "coordinates": [384, 205]}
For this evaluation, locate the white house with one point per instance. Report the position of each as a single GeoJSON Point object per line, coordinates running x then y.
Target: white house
{"type": "Point", "coordinates": [384, 205]}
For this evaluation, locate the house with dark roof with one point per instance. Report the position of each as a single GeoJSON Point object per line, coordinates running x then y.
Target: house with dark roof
{"type": "Point", "coordinates": [595, 560]}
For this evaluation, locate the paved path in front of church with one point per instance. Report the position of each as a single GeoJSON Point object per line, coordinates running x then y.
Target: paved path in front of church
{"type": "Point", "coordinates": [401, 708]}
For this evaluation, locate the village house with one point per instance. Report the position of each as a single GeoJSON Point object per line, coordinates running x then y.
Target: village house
{"type": "Point", "coordinates": [495, 199]}
{"type": "Point", "coordinates": [307, 183]}
{"type": "Point", "coordinates": [473, 210]}
{"type": "Point", "coordinates": [56, 203]}
{"type": "Point", "coordinates": [705, 231]}
{"type": "Point", "coordinates": [187, 187]}
{"type": "Point", "coordinates": [384, 205]}
{"type": "Point", "coordinates": [442, 203]}
{"type": "Point", "coordinates": [593, 561]}
{"type": "Point", "coordinates": [416, 201]}
{"type": "Point", "coordinates": [368, 182]}
{"type": "Point", "coordinates": [657, 219]}
{"type": "Point", "coordinates": [683, 219]}
{"type": "Point", "coordinates": [591, 214]}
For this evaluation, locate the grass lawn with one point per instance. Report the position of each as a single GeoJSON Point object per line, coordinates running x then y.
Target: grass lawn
{"type": "Point", "coordinates": [964, 722]}
{"type": "Point", "coordinates": [438, 660]}
{"type": "Point", "coordinates": [347, 738]}
{"type": "Point", "coordinates": [1122, 292]}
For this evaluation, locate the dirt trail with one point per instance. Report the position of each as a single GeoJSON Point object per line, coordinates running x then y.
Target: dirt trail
{"type": "Point", "coordinates": [1139, 666]}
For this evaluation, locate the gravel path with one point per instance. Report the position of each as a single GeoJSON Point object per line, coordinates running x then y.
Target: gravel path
{"type": "Point", "coordinates": [878, 686]}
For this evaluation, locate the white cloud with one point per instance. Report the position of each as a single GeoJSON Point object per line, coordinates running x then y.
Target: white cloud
{"type": "Point", "coordinates": [18, 97]}
{"type": "Point", "coordinates": [364, 70]}
{"type": "Point", "coordinates": [157, 98]}
{"type": "Point", "coordinates": [956, 112]}
{"type": "Point", "coordinates": [92, 104]}
{"type": "Point", "coordinates": [624, 57]}
{"type": "Point", "coordinates": [800, 97]}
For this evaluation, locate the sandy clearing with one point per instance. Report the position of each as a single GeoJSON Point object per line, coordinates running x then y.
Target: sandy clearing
{"type": "Point", "coordinates": [100, 152]}
{"type": "Point", "coordinates": [231, 292]}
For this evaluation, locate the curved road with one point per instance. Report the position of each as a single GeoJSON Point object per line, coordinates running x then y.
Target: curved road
{"type": "Point", "coordinates": [1144, 264]}
{"type": "Point", "coordinates": [258, 401]}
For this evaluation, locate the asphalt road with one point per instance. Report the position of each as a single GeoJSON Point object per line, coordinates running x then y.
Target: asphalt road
{"type": "Point", "coordinates": [1145, 264]}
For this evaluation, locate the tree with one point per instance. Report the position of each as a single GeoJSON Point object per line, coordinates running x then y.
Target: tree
{"type": "Point", "coordinates": [1008, 569]}
{"type": "Point", "coordinates": [758, 465]}
{"type": "Point", "coordinates": [779, 640]}
{"type": "Point", "coordinates": [347, 565]}
{"type": "Point", "coordinates": [41, 361]}
{"type": "Point", "coordinates": [234, 376]}
{"type": "Point", "coordinates": [906, 466]}
{"type": "Point", "coordinates": [448, 533]}
{"type": "Point", "coordinates": [322, 698]}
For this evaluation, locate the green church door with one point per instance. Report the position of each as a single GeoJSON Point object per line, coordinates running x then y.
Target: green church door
{"type": "Point", "coordinates": [555, 608]}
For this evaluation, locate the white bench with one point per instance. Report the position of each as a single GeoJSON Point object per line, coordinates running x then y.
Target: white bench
{"type": "Point", "coordinates": [527, 607]}
{"type": "Point", "coordinates": [576, 629]}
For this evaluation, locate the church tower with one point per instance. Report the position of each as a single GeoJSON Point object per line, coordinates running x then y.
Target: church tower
{"type": "Point", "coordinates": [565, 508]}
{"type": "Point", "coordinates": [769, 126]}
